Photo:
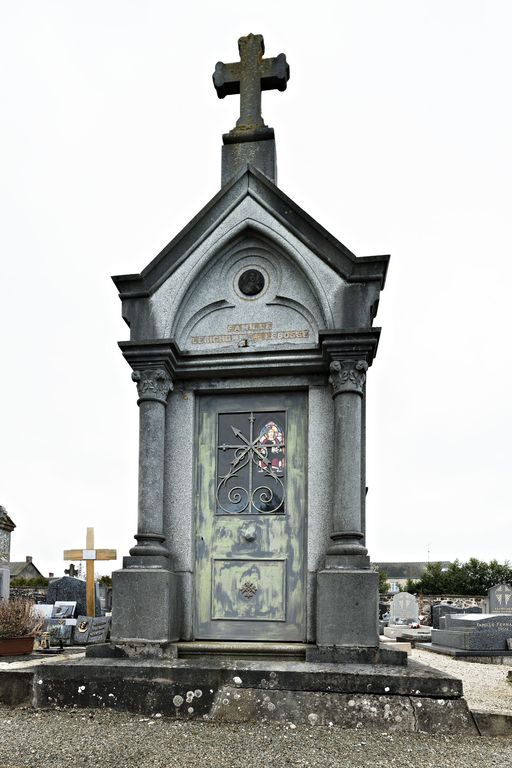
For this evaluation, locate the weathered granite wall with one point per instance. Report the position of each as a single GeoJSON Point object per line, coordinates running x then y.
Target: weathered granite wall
{"type": "Point", "coordinates": [5, 545]}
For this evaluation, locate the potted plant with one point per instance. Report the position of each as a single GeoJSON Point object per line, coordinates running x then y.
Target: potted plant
{"type": "Point", "coordinates": [18, 627]}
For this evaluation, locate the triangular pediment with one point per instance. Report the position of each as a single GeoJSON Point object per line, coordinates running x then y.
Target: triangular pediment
{"type": "Point", "coordinates": [251, 183]}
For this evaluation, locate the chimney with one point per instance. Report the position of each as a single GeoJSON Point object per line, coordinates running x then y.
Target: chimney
{"type": "Point", "coordinates": [28, 559]}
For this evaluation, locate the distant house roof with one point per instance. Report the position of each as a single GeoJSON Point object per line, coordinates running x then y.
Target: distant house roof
{"type": "Point", "coordinates": [24, 570]}
{"type": "Point", "coordinates": [404, 570]}
{"type": "Point", "coordinates": [5, 521]}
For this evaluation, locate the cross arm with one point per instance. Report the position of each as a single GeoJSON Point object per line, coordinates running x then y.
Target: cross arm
{"type": "Point", "coordinates": [275, 73]}
{"type": "Point", "coordinates": [106, 554]}
{"type": "Point", "coordinates": [226, 79]}
{"type": "Point", "coordinates": [73, 554]}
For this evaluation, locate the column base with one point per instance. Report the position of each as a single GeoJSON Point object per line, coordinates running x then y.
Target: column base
{"type": "Point", "coordinates": [347, 608]}
{"type": "Point", "coordinates": [146, 562]}
{"type": "Point", "coordinates": [348, 562]}
{"type": "Point", "coordinates": [149, 544]}
{"type": "Point", "coordinates": [144, 606]}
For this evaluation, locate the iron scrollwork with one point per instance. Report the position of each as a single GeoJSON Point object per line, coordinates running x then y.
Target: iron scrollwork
{"type": "Point", "coordinates": [239, 490]}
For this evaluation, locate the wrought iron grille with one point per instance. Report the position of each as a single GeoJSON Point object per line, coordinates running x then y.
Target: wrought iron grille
{"type": "Point", "coordinates": [251, 463]}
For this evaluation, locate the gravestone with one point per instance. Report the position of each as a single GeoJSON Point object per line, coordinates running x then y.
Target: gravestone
{"type": "Point", "coordinates": [70, 589]}
{"type": "Point", "coordinates": [89, 631]}
{"type": "Point", "coordinates": [443, 609]}
{"type": "Point", "coordinates": [487, 632]}
{"type": "Point", "coordinates": [500, 598]}
{"type": "Point", "coordinates": [404, 609]}
{"type": "Point", "coordinates": [4, 582]}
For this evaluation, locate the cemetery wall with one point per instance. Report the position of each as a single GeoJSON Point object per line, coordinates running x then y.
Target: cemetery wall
{"type": "Point", "coordinates": [37, 594]}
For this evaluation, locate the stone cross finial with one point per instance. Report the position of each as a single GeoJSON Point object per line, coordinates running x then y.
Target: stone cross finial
{"type": "Point", "coordinates": [249, 77]}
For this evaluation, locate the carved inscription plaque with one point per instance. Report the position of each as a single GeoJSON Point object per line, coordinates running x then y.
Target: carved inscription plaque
{"type": "Point", "coordinates": [254, 332]}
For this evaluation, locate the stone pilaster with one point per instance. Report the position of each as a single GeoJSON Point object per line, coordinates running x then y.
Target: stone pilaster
{"type": "Point", "coordinates": [153, 387]}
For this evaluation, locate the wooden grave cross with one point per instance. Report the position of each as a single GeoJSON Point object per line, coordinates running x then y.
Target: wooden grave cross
{"type": "Point", "coordinates": [90, 555]}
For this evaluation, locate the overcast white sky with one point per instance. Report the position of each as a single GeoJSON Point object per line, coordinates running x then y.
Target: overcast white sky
{"type": "Point", "coordinates": [394, 133]}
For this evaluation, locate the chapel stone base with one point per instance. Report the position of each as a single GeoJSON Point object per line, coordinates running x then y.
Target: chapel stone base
{"type": "Point", "coordinates": [404, 699]}
{"type": "Point", "coordinates": [347, 609]}
{"type": "Point", "coordinates": [144, 611]}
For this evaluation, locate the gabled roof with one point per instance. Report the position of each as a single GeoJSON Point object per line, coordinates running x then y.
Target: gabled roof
{"type": "Point", "coordinates": [16, 568]}
{"type": "Point", "coordinates": [6, 523]}
{"type": "Point", "coordinates": [250, 182]}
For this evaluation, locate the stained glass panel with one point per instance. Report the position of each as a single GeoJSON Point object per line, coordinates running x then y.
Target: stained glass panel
{"type": "Point", "coordinates": [251, 463]}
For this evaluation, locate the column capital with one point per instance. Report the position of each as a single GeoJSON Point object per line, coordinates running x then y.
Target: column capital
{"type": "Point", "coordinates": [152, 384]}
{"type": "Point", "coordinates": [347, 376]}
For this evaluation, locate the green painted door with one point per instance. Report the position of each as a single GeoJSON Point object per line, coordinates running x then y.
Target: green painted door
{"type": "Point", "coordinates": [251, 517]}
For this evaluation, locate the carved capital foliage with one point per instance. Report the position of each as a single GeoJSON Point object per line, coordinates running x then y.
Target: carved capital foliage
{"type": "Point", "coordinates": [153, 384]}
{"type": "Point", "coordinates": [348, 376]}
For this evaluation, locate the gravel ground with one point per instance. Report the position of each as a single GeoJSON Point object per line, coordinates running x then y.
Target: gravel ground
{"type": "Point", "coordinates": [81, 739]}
{"type": "Point", "coordinates": [485, 685]}
{"type": "Point", "coordinates": [86, 738]}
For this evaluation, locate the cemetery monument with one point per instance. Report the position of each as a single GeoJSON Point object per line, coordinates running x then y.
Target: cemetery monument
{"type": "Point", "coordinates": [251, 337]}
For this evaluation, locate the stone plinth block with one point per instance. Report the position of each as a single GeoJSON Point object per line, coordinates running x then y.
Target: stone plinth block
{"type": "Point", "coordinates": [347, 608]}
{"type": "Point", "coordinates": [260, 154]}
{"type": "Point", "coordinates": [144, 606]}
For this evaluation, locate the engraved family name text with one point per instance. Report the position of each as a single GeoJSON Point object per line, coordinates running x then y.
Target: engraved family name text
{"type": "Point", "coordinates": [251, 332]}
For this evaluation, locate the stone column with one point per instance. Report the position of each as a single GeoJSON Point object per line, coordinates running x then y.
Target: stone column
{"type": "Point", "coordinates": [153, 387]}
{"type": "Point", "coordinates": [144, 593]}
{"type": "Point", "coordinates": [347, 380]}
{"type": "Point", "coordinates": [347, 589]}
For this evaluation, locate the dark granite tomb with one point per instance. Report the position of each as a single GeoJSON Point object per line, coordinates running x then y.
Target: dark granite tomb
{"type": "Point", "coordinates": [485, 632]}
{"type": "Point", "coordinates": [443, 609]}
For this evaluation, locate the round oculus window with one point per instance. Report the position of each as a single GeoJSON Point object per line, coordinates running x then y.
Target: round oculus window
{"type": "Point", "coordinates": [251, 282]}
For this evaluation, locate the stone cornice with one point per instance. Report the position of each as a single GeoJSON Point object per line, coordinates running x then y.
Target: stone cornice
{"type": "Point", "coordinates": [333, 345]}
{"type": "Point", "coordinates": [6, 524]}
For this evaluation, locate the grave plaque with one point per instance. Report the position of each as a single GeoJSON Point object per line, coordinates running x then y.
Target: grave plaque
{"type": "Point", "coordinates": [90, 630]}
{"type": "Point", "coordinates": [61, 633]}
{"type": "Point", "coordinates": [64, 609]}
{"type": "Point", "coordinates": [99, 630]}
{"type": "Point", "coordinates": [500, 599]}
{"type": "Point", "coordinates": [404, 609]}
{"type": "Point", "coordinates": [82, 629]}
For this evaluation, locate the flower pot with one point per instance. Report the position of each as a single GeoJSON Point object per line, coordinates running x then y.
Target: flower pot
{"type": "Point", "coordinates": [16, 646]}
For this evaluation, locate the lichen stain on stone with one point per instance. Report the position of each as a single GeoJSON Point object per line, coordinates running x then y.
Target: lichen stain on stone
{"type": "Point", "coordinates": [177, 701]}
